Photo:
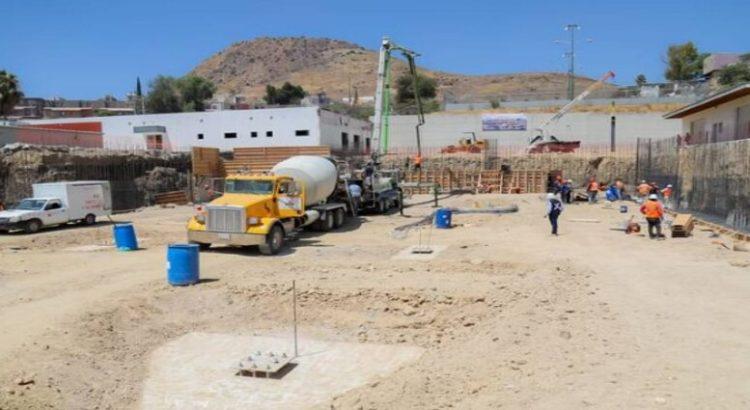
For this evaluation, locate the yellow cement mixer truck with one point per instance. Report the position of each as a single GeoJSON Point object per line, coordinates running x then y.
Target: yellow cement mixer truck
{"type": "Point", "coordinates": [264, 210]}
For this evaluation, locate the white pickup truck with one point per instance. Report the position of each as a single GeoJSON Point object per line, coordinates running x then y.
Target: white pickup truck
{"type": "Point", "coordinates": [58, 203]}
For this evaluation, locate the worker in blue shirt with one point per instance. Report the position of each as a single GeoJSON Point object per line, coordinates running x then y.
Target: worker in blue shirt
{"type": "Point", "coordinates": [355, 192]}
{"type": "Point", "coordinates": [554, 209]}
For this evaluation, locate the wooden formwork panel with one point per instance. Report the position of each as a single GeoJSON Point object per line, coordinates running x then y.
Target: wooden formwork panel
{"type": "Point", "coordinates": [522, 181]}
{"type": "Point", "coordinates": [207, 162]}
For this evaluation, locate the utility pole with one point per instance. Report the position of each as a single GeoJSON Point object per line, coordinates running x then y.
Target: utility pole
{"type": "Point", "coordinates": [572, 58]}
{"type": "Point", "coordinates": [612, 127]}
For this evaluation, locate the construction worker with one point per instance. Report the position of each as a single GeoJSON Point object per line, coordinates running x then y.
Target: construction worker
{"type": "Point", "coordinates": [355, 192]}
{"type": "Point", "coordinates": [654, 212]}
{"type": "Point", "coordinates": [418, 162]}
{"type": "Point", "coordinates": [566, 191]}
{"type": "Point", "coordinates": [654, 188]}
{"type": "Point", "coordinates": [554, 209]}
{"type": "Point", "coordinates": [620, 186]}
{"type": "Point", "coordinates": [643, 189]}
{"type": "Point", "coordinates": [592, 189]}
{"type": "Point", "coordinates": [666, 193]}
{"type": "Point", "coordinates": [368, 174]}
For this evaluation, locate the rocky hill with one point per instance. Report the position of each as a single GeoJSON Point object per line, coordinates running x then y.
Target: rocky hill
{"type": "Point", "coordinates": [337, 67]}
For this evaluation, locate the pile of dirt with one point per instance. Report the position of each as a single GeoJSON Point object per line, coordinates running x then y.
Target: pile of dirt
{"type": "Point", "coordinates": [336, 67]}
{"type": "Point", "coordinates": [160, 179]}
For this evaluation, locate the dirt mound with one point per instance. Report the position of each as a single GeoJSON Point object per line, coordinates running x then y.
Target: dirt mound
{"type": "Point", "coordinates": [333, 66]}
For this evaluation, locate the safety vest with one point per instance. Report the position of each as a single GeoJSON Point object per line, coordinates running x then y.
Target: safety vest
{"type": "Point", "coordinates": [417, 160]}
{"type": "Point", "coordinates": [652, 209]}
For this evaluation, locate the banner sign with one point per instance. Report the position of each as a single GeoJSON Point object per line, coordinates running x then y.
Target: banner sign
{"type": "Point", "coordinates": [504, 122]}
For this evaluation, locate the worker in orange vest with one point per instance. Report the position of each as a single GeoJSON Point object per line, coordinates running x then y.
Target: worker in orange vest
{"type": "Point", "coordinates": [417, 162]}
{"type": "Point", "coordinates": [654, 212]}
{"type": "Point", "coordinates": [643, 189]}
{"type": "Point", "coordinates": [592, 189]}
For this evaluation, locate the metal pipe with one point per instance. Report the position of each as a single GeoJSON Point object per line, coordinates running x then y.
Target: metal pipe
{"type": "Point", "coordinates": [294, 310]}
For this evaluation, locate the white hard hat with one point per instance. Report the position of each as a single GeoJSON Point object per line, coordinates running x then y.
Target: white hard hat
{"type": "Point", "coordinates": [653, 196]}
{"type": "Point", "coordinates": [550, 196]}
{"type": "Point", "coordinates": [669, 185]}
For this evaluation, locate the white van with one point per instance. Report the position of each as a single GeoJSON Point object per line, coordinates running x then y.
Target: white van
{"type": "Point", "coordinates": [58, 203]}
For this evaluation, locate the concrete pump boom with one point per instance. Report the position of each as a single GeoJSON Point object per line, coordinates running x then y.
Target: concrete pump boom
{"type": "Point", "coordinates": [381, 122]}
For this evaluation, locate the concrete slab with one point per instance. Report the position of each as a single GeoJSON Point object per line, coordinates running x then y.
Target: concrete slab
{"type": "Point", "coordinates": [407, 253]}
{"type": "Point", "coordinates": [198, 371]}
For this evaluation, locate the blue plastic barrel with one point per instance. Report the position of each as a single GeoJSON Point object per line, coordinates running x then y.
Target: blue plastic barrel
{"type": "Point", "coordinates": [443, 218]}
{"type": "Point", "coordinates": [183, 264]}
{"type": "Point", "coordinates": [623, 209]}
{"type": "Point", "coordinates": [125, 239]}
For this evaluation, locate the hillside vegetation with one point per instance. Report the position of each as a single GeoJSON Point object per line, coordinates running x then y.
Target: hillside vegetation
{"type": "Point", "coordinates": [333, 66]}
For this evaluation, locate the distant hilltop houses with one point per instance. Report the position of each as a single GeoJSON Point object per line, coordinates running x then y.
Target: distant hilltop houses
{"type": "Point", "coordinates": [37, 108]}
{"type": "Point", "coordinates": [40, 108]}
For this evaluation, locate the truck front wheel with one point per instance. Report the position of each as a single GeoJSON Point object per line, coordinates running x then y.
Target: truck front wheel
{"type": "Point", "coordinates": [90, 219]}
{"type": "Point", "coordinates": [382, 207]}
{"type": "Point", "coordinates": [338, 217]}
{"type": "Point", "coordinates": [274, 241]}
{"type": "Point", "coordinates": [32, 226]}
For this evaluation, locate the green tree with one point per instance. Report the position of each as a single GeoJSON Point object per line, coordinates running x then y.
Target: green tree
{"type": "Point", "coordinates": [405, 88]}
{"type": "Point", "coordinates": [641, 80]}
{"type": "Point", "coordinates": [734, 74]}
{"type": "Point", "coordinates": [684, 62]}
{"type": "Point", "coordinates": [194, 91]}
{"type": "Point", "coordinates": [162, 96]}
{"type": "Point", "coordinates": [287, 94]}
{"type": "Point", "coordinates": [10, 93]}
{"type": "Point", "coordinates": [363, 112]}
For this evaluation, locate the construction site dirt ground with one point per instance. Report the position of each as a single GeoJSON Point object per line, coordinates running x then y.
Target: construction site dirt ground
{"type": "Point", "coordinates": [505, 315]}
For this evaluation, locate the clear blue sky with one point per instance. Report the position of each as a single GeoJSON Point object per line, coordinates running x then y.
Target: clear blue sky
{"type": "Point", "coordinates": [86, 49]}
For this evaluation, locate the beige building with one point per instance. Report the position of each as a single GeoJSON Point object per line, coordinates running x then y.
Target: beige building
{"type": "Point", "coordinates": [724, 116]}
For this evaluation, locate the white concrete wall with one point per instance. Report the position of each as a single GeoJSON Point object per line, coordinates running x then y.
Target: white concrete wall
{"type": "Point", "coordinates": [726, 114]}
{"type": "Point", "coordinates": [333, 124]}
{"type": "Point", "coordinates": [443, 129]}
{"type": "Point", "coordinates": [182, 129]}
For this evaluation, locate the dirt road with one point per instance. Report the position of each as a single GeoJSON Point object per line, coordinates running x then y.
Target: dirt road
{"type": "Point", "coordinates": [508, 315]}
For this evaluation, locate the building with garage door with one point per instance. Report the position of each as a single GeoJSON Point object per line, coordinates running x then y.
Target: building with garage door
{"type": "Point", "coordinates": [268, 127]}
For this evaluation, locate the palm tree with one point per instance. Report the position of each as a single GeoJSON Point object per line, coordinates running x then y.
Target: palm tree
{"type": "Point", "coordinates": [10, 93]}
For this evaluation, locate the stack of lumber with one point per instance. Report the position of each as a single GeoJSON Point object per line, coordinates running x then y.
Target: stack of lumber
{"type": "Point", "coordinates": [207, 162]}
{"type": "Point", "coordinates": [174, 197]}
{"type": "Point", "coordinates": [682, 226]}
{"type": "Point", "coordinates": [262, 159]}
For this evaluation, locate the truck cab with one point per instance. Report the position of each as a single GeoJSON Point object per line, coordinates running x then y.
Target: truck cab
{"type": "Point", "coordinates": [256, 210]}
{"type": "Point", "coordinates": [263, 210]}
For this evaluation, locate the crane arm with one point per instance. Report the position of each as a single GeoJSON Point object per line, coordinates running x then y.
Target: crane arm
{"type": "Point", "coordinates": [564, 110]}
